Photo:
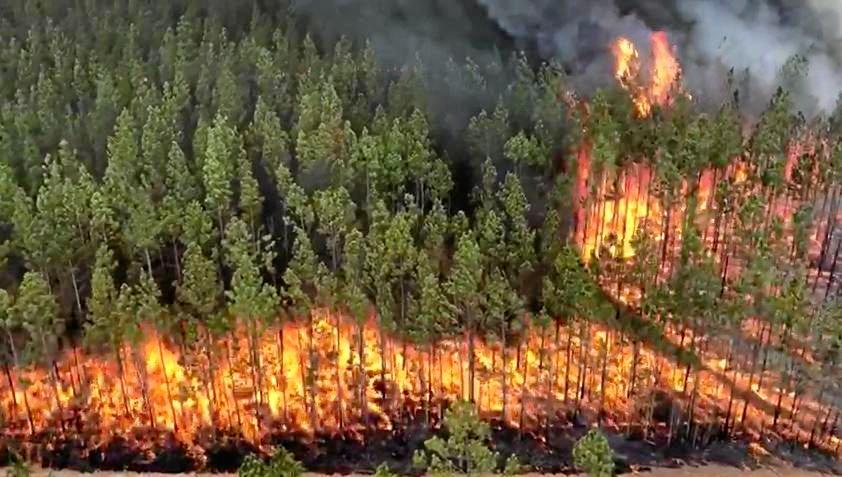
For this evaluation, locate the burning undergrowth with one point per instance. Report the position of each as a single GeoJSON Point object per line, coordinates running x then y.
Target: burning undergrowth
{"type": "Point", "coordinates": [547, 401]}
{"type": "Point", "coordinates": [547, 450]}
{"type": "Point", "coordinates": [677, 311]}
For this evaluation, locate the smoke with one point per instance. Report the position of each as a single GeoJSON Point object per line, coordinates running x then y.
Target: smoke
{"type": "Point", "coordinates": [400, 30]}
{"type": "Point", "coordinates": [755, 38]}
{"type": "Point", "coordinates": [752, 38]}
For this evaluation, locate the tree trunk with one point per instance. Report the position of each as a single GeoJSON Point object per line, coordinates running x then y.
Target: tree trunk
{"type": "Point", "coordinates": [583, 364]}
{"type": "Point", "coordinates": [784, 385]}
{"type": "Point", "coordinates": [504, 373]}
{"type": "Point", "coordinates": [209, 380]}
{"type": "Point", "coordinates": [665, 230]}
{"type": "Point", "coordinates": [832, 270]}
{"type": "Point", "coordinates": [167, 383]}
{"type": "Point", "coordinates": [471, 360]}
{"type": "Point", "coordinates": [176, 260]}
{"type": "Point", "coordinates": [14, 397]}
{"type": "Point", "coordinates": [523, 396]}
{"type": "Point", "coordinates": [83, 376]}
{"type": "Point", "coordinates": [340, 397]}
{"type": "Point", "coordinates": [363, 379]}
{"type": "Point", "coordinates": [766, 355]}
{"type": "Point", "coordinates": [257, 371]}
{"type": "Point", "coordinates": [826, 240]}
{"type": "Point", "coordinates": [76, 289]}
{"type": "Point", "coordinates": [541, 352]}
{"type": "Point", "coordinates": [603, 374]}
{"type": "Point", "coordinates": [728, 358]}
{"type": "Point", "coordinates": [383, 388]}
{"type": "Point", "coordinates": [16, 361]}
{"type": "Point", "coordinates": [231, 378]}
{"type": "Point", "coordinates": [121, 369]}
{"type": "Point", "coordinates": [651, 413]}
{"type": "Point", "coordinates": [140, 370]}
{"type": "Point", "coordinates": [633, 376]}
{"type": "Point", "coordinates": [568, 362]}
{"type": "Point", "coordinates": [752, 371]}
{"type": "Point", "coordinates": [54, 382]}
{"type": "Point", "coordinates": [553, 394]}
{"type": "Point", "coordinates": [428, 390]}
{"type": "Point", "coordinates": [312, 372]}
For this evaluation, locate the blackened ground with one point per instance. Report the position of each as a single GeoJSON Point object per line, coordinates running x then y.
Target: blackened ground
{"type": "Point", "coordinates": [545, 451]}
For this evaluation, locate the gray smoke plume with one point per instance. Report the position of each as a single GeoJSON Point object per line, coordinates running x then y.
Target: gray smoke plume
{"type": "Point", "coordinates": [755, 38]}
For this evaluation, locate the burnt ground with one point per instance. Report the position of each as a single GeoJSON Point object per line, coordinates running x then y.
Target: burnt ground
{"type": "Point", "coordinates": [705, 471]}
{"type": "Point", "coordinates": [546, 452]}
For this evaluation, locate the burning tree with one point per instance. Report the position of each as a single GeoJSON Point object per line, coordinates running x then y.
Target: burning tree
{"type": "Point", "coordinates": [242, 231]}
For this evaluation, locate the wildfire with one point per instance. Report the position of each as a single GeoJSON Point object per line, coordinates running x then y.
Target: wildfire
{"type": "Point", "coordinates": [663, 73]}
{"type": "Point", "coordinates": [624, 202]}
{"type": "Point", "coordinates": [334, 375]}
{"type": "Point", "coordinates": [331, 374]}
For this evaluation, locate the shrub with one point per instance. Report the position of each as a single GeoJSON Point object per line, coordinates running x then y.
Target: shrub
{"type": "Point", "coordinates": [383, 470]}
{"type": "Point", "coordinates": [282, 464]}
{"type": "Point", "coordinates": [464, 451]}
{"type": "Point", "coordinates": [512, 466]}
{"type": "Point", "coordinates": [593, 455]}
{"type": "Point", "coordinates": [19, 467]}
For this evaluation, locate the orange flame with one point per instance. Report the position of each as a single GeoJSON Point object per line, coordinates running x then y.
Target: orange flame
{"type": "Point", "coordinates": [663, 76]}
{"type": "Point", "coordinates": [337, 375]}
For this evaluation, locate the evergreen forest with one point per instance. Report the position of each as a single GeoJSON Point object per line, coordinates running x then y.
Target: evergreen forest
{"type": "Point", "coordinates": [220, 228]}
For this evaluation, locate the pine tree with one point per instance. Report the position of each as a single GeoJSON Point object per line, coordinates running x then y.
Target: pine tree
{"type": "Point", "coordinates": [35, 310]}
{"type": "Point", "coordinates": [250, 299]}
{"type": "Point", "coordinates": [464, 286]}
{"type": "Point", "coordinates": [10, 325]}
{"type": "Point", "coordinates": [219, 167]}
{"type": "Point", "coordinates": [304, 279]}
{"type": "Point", "coordinates": [105, 325]}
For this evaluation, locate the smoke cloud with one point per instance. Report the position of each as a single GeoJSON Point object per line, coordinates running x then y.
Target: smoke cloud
{"type": "Point", "coordinates": [754, 38]}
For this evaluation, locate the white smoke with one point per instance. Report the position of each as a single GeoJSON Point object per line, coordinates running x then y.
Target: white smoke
{"type": "Point", "coordinates": [755, 38]}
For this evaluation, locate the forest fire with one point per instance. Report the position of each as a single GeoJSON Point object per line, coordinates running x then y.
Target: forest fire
{"type": "Point", "coordinates": [337, 377]}
{"type": "Point", "coordinates": [626, 198]}
{"type": "Point", "coordinates": [269, 295]}
{"type": "Point", "coordinates": [333, 376]}
{"type": "Point", "coordinates": [660, 83]}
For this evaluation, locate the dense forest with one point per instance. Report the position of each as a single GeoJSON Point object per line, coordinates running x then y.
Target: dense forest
{"type": "Point", "coordinates": [213, 221]}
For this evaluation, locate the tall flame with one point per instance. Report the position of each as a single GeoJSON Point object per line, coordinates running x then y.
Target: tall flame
{"type": "Point", "coordinates": [335, 374]}
{"type": "Point", "coordinates": [663, 72]}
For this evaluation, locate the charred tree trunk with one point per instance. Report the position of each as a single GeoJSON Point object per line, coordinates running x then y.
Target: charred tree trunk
{"type": "Point", "coordinates": [340, 396]}
{"type": "Point", "coordinates": [122, 372]}
{"type": "Point", "coordinates": [167, 384]}
{"type": "Point", "coordinates": [556, 369]}
{"type": "Point", "coordinates": [504, 373]}
{"type": "Point", "coordinates": [471, 362]}
{"type": "Point", "coordinates": [523, 396]}
{"type": "Point", "coordinates": [583, 366]}
{"type": "Point", "coordinates": [363, 378]}
{"type": "Point", "coordinates": [231, 378]}
{"type": "Point", "coordinates": [752, 371]}
{"type": "Point", "coordinates": [603, 374]}
{"type": "Point", "coordinates": [568, 362]}
{"type": "Point", "coordinates": [16, 361]}
{"type": "Point", "coordinates": [282, 382]}
{"type": "Point", "coordinates": [140, 370]}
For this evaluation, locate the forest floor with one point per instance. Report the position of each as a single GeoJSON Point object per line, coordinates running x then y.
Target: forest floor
{"type": "Point", "coordinates": [700, 471]}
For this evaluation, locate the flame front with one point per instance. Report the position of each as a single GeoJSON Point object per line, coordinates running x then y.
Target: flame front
{"type": "Point", "coordinates": [335, 375]}
{"type": "Point", "coordinates": [327, 373]}
{"type": "Point", "coordinates": [656, 88]}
